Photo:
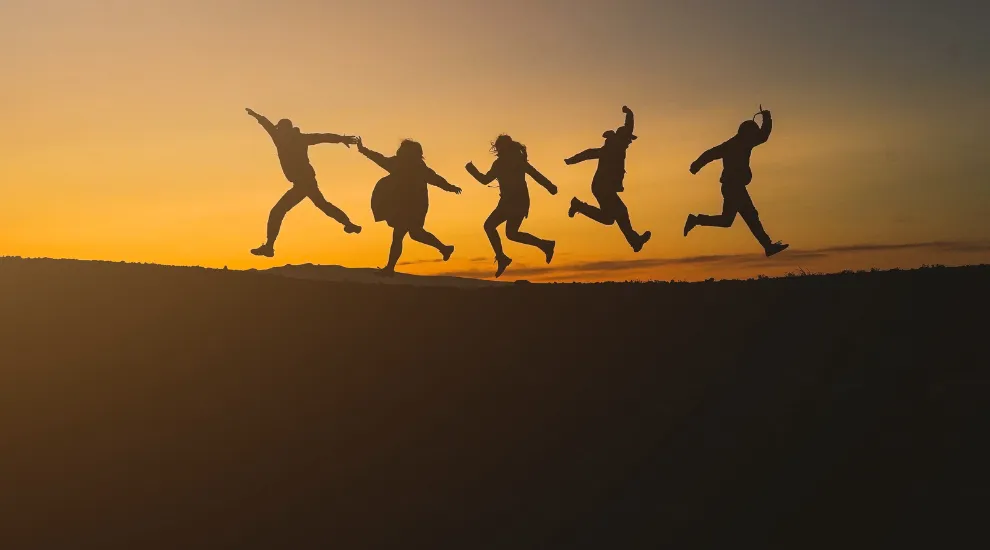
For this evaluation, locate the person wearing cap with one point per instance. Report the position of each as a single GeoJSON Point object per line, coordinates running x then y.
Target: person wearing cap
{"type": "Point", "coordinates": [293, 154]}
{"type": "Point", "coordinates": [608, 183]}
{"type": "Point", "coordinates": [736, 175]}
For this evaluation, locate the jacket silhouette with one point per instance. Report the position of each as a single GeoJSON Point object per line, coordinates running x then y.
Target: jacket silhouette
{"type": "Point", "coordinates": [736, 175]}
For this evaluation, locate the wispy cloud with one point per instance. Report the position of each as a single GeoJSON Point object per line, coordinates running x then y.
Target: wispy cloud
{"type": "Point", "coordinates": [439, 260]}
{"type": "Point", "coordinates": [727, 260]}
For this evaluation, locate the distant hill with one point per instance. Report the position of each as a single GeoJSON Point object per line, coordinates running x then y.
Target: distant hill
{"type": "Point", "coordinates": [146, 407]}
{"type": "Point", "coordinates": [339, 274]}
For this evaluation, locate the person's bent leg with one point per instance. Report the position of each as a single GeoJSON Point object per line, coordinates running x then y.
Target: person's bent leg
{"type": "Point", "coordinates": [423, 236]}
{"type": "Point", "coordinates": [592, 212]}
{"type": "Point", "coordinates": [491, 229]}
{"type": "Point", "coordinates": [752, 219]}
{"type": "Point", "coordinates": [395, 250]}
{"type": "Point", "coordinates": [330, 210]}
{"type": "Point", "coordinates": [513, 233]}
{"type": "Point", "coordinates": [289, 200]}
{"type": "Point", "coordinates": [621, 214]}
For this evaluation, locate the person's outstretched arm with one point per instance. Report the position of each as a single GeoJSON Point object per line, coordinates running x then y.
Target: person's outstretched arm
{"type": "Point", "coordinates": [708, 156]}
{"type": "Point", "coordinates": [265, 123]}
{"type": "Point", "coordinates": [483, 179]}
{"type": "Point", "coordinates": [437, 180]}
{"type": "Point", "coordinates": [587, 154]}
{"type": "Point", "coordinates": [375, 156]}
{"type": "Point", "coordinates": [766, 128]}
{"type": "Point", "coordinates": [541, 179]}
{"type": "Point", "coordinates": [627, 128]}
{"type": "Point", "coordinates": [314, 139]}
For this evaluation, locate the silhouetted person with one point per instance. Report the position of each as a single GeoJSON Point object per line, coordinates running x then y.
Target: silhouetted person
{"type": "Point", "coordinates": [736, 175]}
{"type": "Point", "coordinates": [293, 154]}
{"type": "Point", "coordinates": [402, 198]}
{"type": "Point", "coordinates": [607, 183]}
{"type": "Point", "coordinates": [510, 169]}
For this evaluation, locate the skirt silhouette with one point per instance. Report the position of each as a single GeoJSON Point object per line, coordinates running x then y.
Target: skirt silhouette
{"type": "Point", "coordinates": [400, 203]}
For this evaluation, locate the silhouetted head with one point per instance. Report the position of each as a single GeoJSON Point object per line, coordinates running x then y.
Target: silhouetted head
{"type": "Point", "coordinates": [618, 137]}
{"type": "Point", "coordinates": [749, 129]}
{"type": "Point", "coordinates": [507, 148]}
{"type": "Point", "coordinates": [410, 150]}
{"type": "Point", "coordinates": [285, 126]}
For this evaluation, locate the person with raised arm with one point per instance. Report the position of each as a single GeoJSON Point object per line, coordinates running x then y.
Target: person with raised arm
{"type": "Point", "coordinates": [293, 154]}
{"type": "Point", "coordinates": [510, 169]}
{"type": "Point", "coordinates": [608, 183]}
{"type": "Point", "coordinates": [402, 198]}
{"type": "Point", "coordinates": [736, 175]}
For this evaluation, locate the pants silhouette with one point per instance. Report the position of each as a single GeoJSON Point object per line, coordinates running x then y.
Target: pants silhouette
{"type": "Point", "coordinates": [512, 232]}
{"type": "Point", "coordinates": [736, 200]}
{"type": "Point", "coordinates": [611, 210]}
{"type": "Point", "coordinates": [419, 235]}
{"type": "Point", "coordinates": [294, 196]}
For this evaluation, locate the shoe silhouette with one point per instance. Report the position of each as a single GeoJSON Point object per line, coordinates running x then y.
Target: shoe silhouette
{"type": "Point", "coordinates": [643, 239]}
{"type": "Point", "coordinates": [502, 263]}
{"type": "Point", "coordinates": [776, 248]}
{"type": "Point", "coordinates": [265, 250]}
{"type": "Point", "coordinates": [549, 250]}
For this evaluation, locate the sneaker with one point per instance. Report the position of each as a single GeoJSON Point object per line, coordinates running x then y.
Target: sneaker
{"type": "Point", "coordinates": [265, 250]}
{"type": "Point", "coordinates": [775, 248]}
{"type": "Point", "coordinates": [447, 251]}
{"type": "Point", "coordinates": [574, 207]}
{"type": "Point", "coordinates": [352, 228]}
{"type": "Point", "coordinates": [691, 223]}
{"type": "Point", "coordinates": [643, 239]}
{"type": "Point", "coordinates": [503, 262]}
{"type": "Point", "coordinates": [549, 249]}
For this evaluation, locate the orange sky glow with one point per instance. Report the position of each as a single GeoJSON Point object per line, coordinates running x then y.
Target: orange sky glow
{"type": "Point", "coordinates": [126, 138]}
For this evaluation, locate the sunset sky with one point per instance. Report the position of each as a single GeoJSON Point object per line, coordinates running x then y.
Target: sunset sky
{"type": "Point", "coordinates": [126, 137]}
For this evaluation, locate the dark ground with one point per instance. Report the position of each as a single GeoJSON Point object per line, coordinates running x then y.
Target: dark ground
{"type": "Point", "coordinates": [146, 407]}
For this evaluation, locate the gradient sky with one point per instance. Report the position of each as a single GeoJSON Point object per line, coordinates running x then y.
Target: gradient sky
{"type": "Point", "coordinates": [126, 137]}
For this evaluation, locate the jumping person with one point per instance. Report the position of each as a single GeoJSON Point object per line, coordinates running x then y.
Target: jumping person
{"type": "Point", "coordinates": [293, 154]}
{"type": "Point", "coordinates": [402, 198]}
{"type": "Point", "coordinates": [607, 183]}
{"type": "Point", "coordinates": [736, 175]}
{"type": "Point", "coordinates": [510, 169]}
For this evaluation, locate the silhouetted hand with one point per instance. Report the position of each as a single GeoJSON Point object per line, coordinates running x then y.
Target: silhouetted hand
{"type": "Point", "coordinates": [351, 140]}
{"type": "Point", "coordinates": [569, 161]}
{"type": "Point", "coordinates": [359, 143]}
{"type": "Point", "coordinates": [626, 110]}
{"type": "Point", "coordinates": [470, 167]}
{"type": "Point", "coordinates": [251, 112]}
{"type": "Point", "coordinates": [552, 189]}
{"type": "Point", "coordinates": [695, 168]}
{"type": "Point", "coordinates": [455, 189]}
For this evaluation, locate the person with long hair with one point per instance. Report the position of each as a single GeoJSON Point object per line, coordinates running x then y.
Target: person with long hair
{"type": "Point", "coordinates": [607, 183]}
{"type": "Point", "coordinates": [510, 169]}
{"type": "Point", "coordinates": [402, 198]}
{"type": "Point", "coordinates": [293, 154]}
{"type": "Point", "coordinates": [736, 175]}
